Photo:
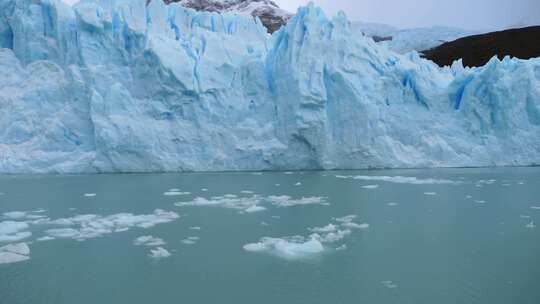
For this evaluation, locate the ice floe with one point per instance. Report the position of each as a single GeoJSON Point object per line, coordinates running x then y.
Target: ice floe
{"type": "Point", "coordinates": [253, 203]}
{"type": "Point", "coordinates": [370, 186]}
{"type": "Point", "coordinates": [82, 227]}
{"type": "Point", "coordinates": [195, 228]}
{"type": "Point", "coordinates": [90, 195]}
{"type": "Point", "coordinates": [294, 247]}
{"type": "Point", "coordinates": [535, 207]}
{"type": "Point", "coordinates": [23, 215]}
{"type": "Point", "coordinates": [11, 231]}
{"type": "Point", "coordinates": [287, 201]}
{"type": "Point", "coordinates": [430, 193]}
{"type": "Point", "coordinates": [148, 240]}
{"type": "Point", "coordinates": [392, 204]}
{"type": "Point", "coordinates": [175, 193]}
{"type": "Point", "coordinates": [190, 240]}
{"type": "Point", "coordinates": [159, 253]}
{"type": "Point", "coordinates": [399, 179]}
{"type": "Point", "coordinates": [14, 253]}
{"type": "Point", "coordinates": [291, 248]}
{"type": "Point", "coordinates": [389, 284]}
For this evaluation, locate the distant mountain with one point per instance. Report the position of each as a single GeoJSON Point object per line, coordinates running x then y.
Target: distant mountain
{"type": "Point", "coordinates": [477, 50]}
{"type": "Point", "coordinates": [271, 16]}
{"type": "Point", "coordinates": [407, 40]}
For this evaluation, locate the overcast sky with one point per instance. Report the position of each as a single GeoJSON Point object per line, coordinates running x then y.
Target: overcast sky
{"type": "Point", "coordinates": [468, 14]}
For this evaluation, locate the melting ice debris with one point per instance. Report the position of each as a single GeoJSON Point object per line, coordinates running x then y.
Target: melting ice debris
{"type": "Point", "coordinates": [204, 190]}
{"type": "Point", "coordinates": [254, 209]}
{"type": "Point", "coordinates": [195, 228]}
{"type": "Point", "coordinates": [531, 225]}
{"type": "Point", "coordinates": [148, 240]}
{"type": "Point", "coordinates": [246, 192]}
{"type": "Point", "coordinates": [398, 179]}
{"type": "Point", "coordinates": [298, 184]}
{"type": "Point", "coordinates": [535, 207]}
{"type": "Point", "coordinates": [253, 203]}
{"type": "Point", "coordinates": [23, 215]}
{"type": "Point", "coordinates": [370, 186]}
{"type": "Point", "coordinates": [11, 231]}
{"type": "Point", "coordinates": [392, 204]}
{"type": "Point", "coordinates": [159, 253]}
{"type": "Point", "coordinates": [288, 248]}
{"type": "Point", "coordinates": [287, 201]}
{"type": "Point", "coordinates": [430, 193]}
{"type": "Point", "coordinates": [301, 247]}
{"type": "Point", "coordinates": [190, 240]}
{"type": "Point", "coordinates": [90, 195]}
{"type": "Point", "coordinates": [481, 202]}
{"type": "Point", "coordinates": [175, 192]}
{"type": "Point", "coordinates": [82, 227]}
{"type": "Point", "coordinates": [14, 253]}
{"type": "Point", "coordinates": [389, 284]}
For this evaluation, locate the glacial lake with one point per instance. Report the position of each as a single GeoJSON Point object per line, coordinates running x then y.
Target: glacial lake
{"type": "Point", "coordinates": [389, 236]}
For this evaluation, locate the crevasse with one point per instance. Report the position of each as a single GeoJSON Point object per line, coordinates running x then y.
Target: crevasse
{"type": "Point", "coordinates": [118, 86]}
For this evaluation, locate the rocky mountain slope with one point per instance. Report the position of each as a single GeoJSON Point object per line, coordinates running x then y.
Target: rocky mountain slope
{"type": "Point", "coordinates": [271, 16]}
{"type": "Point", "coordinates": [477, 50]}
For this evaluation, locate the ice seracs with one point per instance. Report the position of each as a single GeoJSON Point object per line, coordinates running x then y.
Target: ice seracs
{"type": "Point", "coordinates": [121, 86]}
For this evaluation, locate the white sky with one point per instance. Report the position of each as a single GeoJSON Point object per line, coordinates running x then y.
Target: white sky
{"type": "Point", "coordinates": [468, 14]}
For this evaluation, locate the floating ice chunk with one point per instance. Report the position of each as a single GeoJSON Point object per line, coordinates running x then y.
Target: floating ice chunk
{"type": "Point", "coordinates": [190, 240]}
{"type": "Point", "coordinates": [229, 201]}
{"type": "Point", "coordinates": [90, 194]}
{"type": "Point", "coordinates": [525, 216]}
{"type": "Point", "coordinates": [325, 229]}
{"type": "Point", "coordinates": [45, 238]}
{"type": "Point", "coordinates": [430, 193]}
{"type": "Point", "coordinates": [399, 179]}
{"type": "Point", "coordinates": [531, 225]}
{"type": "Point", "coordinates": [257, 173]}
{"type": "Point", "coordinates": [11, 231]}
{"type": "Point", "coordinates": [392, 204]}
{"type": "Point", "coordinates": [287, 201]}
{"type": "Point", "coordinates": [331, 237]}
{"type": "Point", "coordinates": [355, 225]}
{"type": "Point", "coordinates": [175, 193]}
{"type": "Point", "coordinates": [370, 186]}
{"type": "Point", "coordinates": [289, 173]}
{"type": "Point", "coordinates": [342, 247]}
{"type": "Point", "coordinates": [159, 253]}
{"type": "Point", "coordinates": [298, 184]}
{"type": "Point", "coordinates": [255, 208]}
{"type": "Point", "coordinates": [91, 226]}
{"type": "Point", "coordinates": [246, 192]}
{"type": "Point", "coordinates": [148, 240]}
{"type": "Point", "coordinates": [204, 190]}
{"type": "Point", "coordinates": [22, 215]}
{"type": "Point", "coordinates": [14, 253]}
{"type": "Point", "coordinates": [389, 284]}
{"type": "Point", "coordinates": [264, 224]}
{"type": "Point", "coordinates": [535, 207]}
{"type": "Point", "coordinates": [468, 197]}
{"type": "Point", "coordinates": [480, 202]}
{"type": "Point", "coordinates": [195, 228]}
{"type": "Point", "coordinates": [294, 248]}
{"type": "Point", "coordinates": [346, 219]}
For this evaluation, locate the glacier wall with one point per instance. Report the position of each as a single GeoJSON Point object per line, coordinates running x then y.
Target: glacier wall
{"type": "Point", "coordinates": [116, 86]}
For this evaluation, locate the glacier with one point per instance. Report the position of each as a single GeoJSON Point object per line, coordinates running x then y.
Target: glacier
{"type": "Point", "coordinates": [118, 86]}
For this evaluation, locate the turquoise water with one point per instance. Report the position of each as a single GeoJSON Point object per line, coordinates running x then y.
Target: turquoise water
{"type": "Point", "coordinates": [448, 236]}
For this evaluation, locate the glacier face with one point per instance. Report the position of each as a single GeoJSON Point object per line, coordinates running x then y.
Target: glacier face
{"type": "Point", "coordinates": [118, 86]}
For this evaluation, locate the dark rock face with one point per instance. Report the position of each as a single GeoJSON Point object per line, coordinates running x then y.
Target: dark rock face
{"type": "Point", "coordinates": [477, 50]}
{"type": "Point", "coordinates": [271, 16]}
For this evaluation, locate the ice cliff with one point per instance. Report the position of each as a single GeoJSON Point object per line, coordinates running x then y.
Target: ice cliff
{"type": "Point", "coordinates": [118, 86]}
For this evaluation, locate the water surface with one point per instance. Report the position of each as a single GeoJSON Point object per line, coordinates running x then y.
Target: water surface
{"type": "Point", "coordinates": [419, 236]}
